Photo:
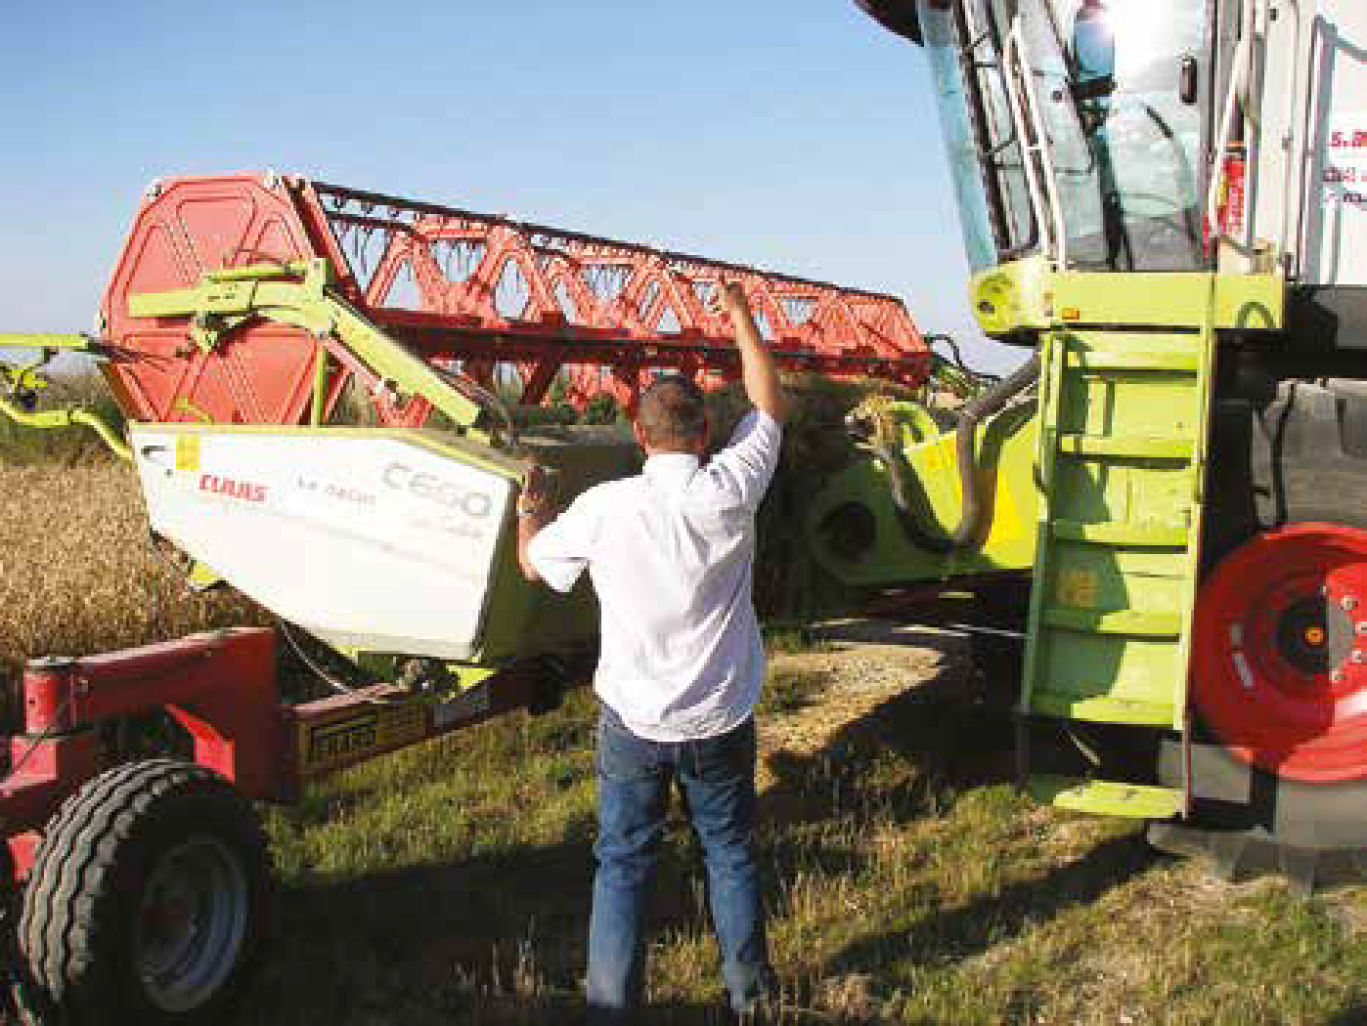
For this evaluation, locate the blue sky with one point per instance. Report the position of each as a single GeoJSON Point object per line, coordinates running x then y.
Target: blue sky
{"type": "Point", "coordinates": [795, 136]}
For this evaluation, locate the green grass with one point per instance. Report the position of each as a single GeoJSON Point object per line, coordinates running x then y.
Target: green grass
{"type": "Point", "coordinates": [792, 637]}
{"type": "Point", "coordinates": [788, 691]}
{"type": "Point", "coordinates": [907, 882]}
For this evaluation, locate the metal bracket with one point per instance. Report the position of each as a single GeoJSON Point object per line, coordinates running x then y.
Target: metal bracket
{"type": "Point", "coordinates": [301, 294]}
{"type": "Point", "coordinates": [20, 385]}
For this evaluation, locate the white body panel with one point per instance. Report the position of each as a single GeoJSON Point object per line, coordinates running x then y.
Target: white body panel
{"type": "Point", "coordinates": [365, 540]}
{"type": "Point", "coordinates": [1310, 193]}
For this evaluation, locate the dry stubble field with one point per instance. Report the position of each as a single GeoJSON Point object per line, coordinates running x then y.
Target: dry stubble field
{"type": "Point", "coordinates": [907, 881]}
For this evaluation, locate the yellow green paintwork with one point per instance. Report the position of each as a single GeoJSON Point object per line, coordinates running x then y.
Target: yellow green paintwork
{"type": "Point", "coordinates": [1006, 452]}
{"type": "Point", "coordinates": [1126, 377]}
{"type": "Point", "coordinates": [223, 300]}
{"type": "Point", "coordinates": [321, 368]}
{"type": "Point", "coordinates": [1101, 494]}
{"type": "Point", "coordinates": [1013, 298]}
{"type": "Point", "coordinates": [74, 342]}
{"type": "Point", "coordinates": [1105, 798]}
{"type": "Point", "coordinates": [1191, 300]}
{"type": "Point", "coordinates": [29, 377]}
{"type": "Point", "coordinates": [1025, 297]}
{"type": "Point", "coordinates": [55, 419]}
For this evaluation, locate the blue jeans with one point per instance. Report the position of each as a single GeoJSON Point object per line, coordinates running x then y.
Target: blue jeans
{"type": "Point", "coordinates": [717, 778]}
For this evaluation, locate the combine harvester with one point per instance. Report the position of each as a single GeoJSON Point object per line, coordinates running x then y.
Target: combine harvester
{"type": "Point", "coordinates": [317, 384]}
{"type": "Point", "coordinates": [1162, 202]}
{"type": "Point", "coordinates": [1165, 203]}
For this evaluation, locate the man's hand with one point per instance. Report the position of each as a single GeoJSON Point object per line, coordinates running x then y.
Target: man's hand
{"type": "Point", "coordinates": [534, 511]}
{"type": "Point", "coordinates": [536, 490]}
{"type": "Point", "coordinates": [758, 371]}
{"type": "Point", "coordinates": [727, 298]}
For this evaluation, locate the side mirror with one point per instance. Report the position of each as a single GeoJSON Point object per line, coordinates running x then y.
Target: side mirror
{"type": "Point", "coordinates": [1093, 52]}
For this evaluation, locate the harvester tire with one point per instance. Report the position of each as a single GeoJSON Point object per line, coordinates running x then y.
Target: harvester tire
{"type": "Point", "coordinates": [148, 901]}
{"type": "Point", "coordinates": [1265, 798]}
{"type": "Point", "coordinates": [1278, 778]}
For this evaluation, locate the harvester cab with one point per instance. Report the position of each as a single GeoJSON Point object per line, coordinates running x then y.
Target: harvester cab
{"type": "Point", "coordinates": [1163, 200]}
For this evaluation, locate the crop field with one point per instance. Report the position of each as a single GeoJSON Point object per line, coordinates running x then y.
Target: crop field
{"type": "Point", "coordinates": [907, 881]}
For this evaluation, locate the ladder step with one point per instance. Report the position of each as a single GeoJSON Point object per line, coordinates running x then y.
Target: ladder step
{"type": "Point", "coordinates": [1159, 536]}
{"type": "Point", "coordinates": [1139, 446]}
{"type": "Point", "coordinates": [1101, 708]}
{"type": "Point", "coordinates": [1184, 361]}
{"type": "Point", "coordinates": [1107, 797]}
{"type": "Point", "coordinates": [1142, 622]}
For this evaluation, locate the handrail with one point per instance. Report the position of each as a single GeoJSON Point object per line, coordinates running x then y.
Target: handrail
{"type": "Point", "coordinates": [1293, 183]}
{"type": "Point", "coordinates": [1042, 145]}
{"type": "Point", "coordinates": [1018, 118]}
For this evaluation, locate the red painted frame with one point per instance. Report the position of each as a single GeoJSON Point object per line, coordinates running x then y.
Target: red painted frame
{"type": "Point", "coordinates": [599, 313]}
{"type": "Point", "coordinates": [222, 688]}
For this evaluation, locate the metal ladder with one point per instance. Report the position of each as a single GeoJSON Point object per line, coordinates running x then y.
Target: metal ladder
{"type": "Point", "coordinates": [1122, 450]}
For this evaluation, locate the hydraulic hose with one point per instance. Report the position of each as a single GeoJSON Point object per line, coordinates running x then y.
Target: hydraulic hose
{"type": "Point", "coordinates": [914, 511]}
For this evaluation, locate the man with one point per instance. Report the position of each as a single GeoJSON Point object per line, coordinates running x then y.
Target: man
{"type": "Point", "coordinates": [671, 553]}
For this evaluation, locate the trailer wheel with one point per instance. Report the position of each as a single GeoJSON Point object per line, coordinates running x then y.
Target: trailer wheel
{"type": "Point", "coordinates": [148, 898]}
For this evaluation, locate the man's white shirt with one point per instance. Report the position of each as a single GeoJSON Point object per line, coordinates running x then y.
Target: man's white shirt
{"type": "Point", "coordinates": [671, 554]}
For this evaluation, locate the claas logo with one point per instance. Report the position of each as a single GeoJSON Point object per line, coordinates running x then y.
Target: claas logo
{"type": "Point", "coordinates": [247, 491]}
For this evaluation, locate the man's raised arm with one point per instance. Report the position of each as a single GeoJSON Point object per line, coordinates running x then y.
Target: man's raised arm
{"type": "Point", "coordinates": [758, 370]}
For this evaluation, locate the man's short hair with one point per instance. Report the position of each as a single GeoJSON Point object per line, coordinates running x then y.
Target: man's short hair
{"type": "Point", "coordinates": [672, 413]}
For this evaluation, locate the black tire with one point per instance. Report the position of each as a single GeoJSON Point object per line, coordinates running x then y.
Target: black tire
{"type": "Point", "coordinates": [1249, 821]}
{"type": "Point", "coordinates": [149, 897]}
{"type": "Point", "coordinates": [1301, 458]}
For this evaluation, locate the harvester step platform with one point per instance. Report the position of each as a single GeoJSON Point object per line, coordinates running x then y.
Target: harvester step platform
{"type": "Point", "coordinates": [1135, 446]}
{"type": "Point", "coordinates": [1160, 536]}
{"type": "Point", "coordinates": [1132, 360]}
{"type": "Point", "coordinates": [1121, 455]}
{"type": "Point", "coordinates": [1105, 708]}
{"type": "Point", "coordinates": [1137, 622]}
{"type": "Point", "coordinates": [1107, 798]}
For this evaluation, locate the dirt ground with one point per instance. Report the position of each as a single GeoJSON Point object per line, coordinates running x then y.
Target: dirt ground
{"type": "Point", "coordinates": [861, 664]}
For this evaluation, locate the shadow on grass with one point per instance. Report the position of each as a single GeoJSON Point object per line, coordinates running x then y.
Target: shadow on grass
{"type": "Point", "coordinates": [972, 928]}
{"type": "Point", "coordinates": [500, 938]}
{"type": "Point", "coordinates": [436, 943]}
{"type": "Point", "coordinates": [953, 736]}
{"type": "Point", "coordinates": [1354, 1015]}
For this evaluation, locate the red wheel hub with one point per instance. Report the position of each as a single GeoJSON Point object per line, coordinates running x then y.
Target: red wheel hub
{"type": "Point", "coordinates": [1279, 667]}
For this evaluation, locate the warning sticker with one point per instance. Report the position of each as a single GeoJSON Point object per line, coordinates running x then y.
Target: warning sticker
{"type": "Point", "coordinates": [1077, 588]}
{"type": "Point", "coordinates": [187, 452]}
